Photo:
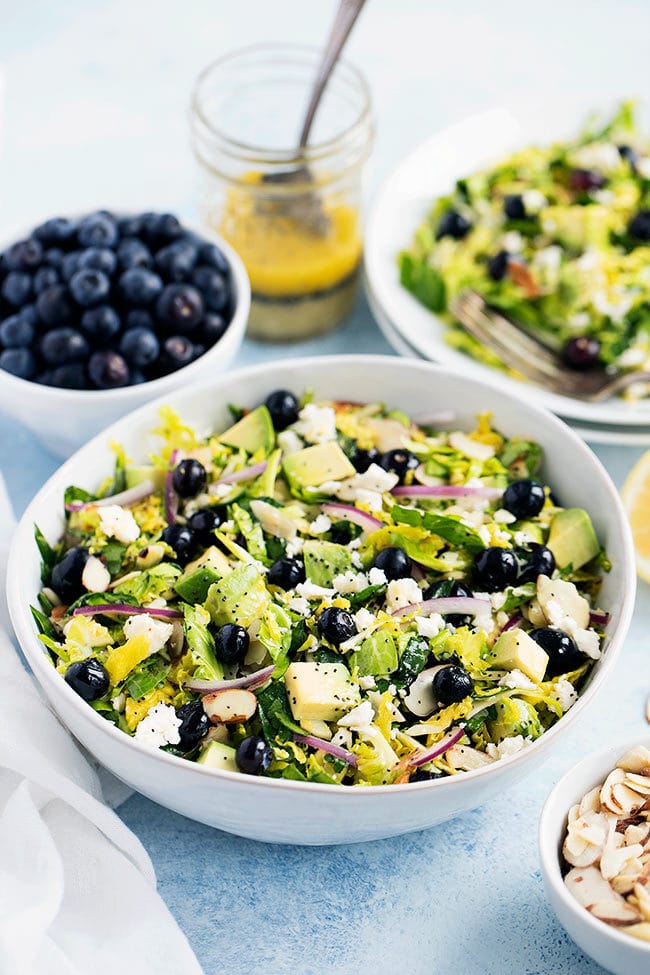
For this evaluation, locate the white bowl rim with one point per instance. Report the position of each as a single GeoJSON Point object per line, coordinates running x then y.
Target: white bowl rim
{"type": "Point", "coordinates": [548, 854]}
{"type": "Point", "coordinates": [157, 387]}
{"type": "Point", "coordinates": [23, 623]}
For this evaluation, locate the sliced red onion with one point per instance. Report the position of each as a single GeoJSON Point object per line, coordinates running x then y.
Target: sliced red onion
{"type": "Point", "coordinates": [245, 474]}
{"type": "Point", "coordinates": [463, 605]}
{"type": "Point", "coordinates": [250, 680]}
{"type": "Point", "coordinates": [512, 622]}
{"type": "Point", "coordinates": [446, 491]}
{"type": "Point", "coordinates": [170, 496]}
{"type": "Point", "coordinates": [421, 758]}
{"type": "Point", "coordinates": [124, 609]}
{"type": "Point", "coordinates": [326, 746]}
{"type": "Point", "coordinates": [346, 512]}
{"type": "Point", "coordinates": [599, 617]}
{"type": "Point", "coordinates": [123, 498]}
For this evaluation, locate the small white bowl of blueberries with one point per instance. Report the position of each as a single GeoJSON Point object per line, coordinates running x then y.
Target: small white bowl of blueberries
{"type": "Point", "coordinates": [102, 312]}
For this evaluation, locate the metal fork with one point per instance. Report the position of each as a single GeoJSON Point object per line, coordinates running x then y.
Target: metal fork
{"type": "Point", "coordinates": [521, 351]}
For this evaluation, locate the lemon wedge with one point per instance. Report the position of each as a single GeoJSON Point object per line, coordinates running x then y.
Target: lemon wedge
{"type": "Point", "coordinates": [636, 498]}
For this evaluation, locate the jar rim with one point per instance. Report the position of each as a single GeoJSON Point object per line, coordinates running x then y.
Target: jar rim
{"type": "Point", "coordinates": [256, 153]}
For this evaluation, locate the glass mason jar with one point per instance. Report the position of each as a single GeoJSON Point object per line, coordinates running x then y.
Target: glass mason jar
{"type": "Point", "coordinates": [294, 216]}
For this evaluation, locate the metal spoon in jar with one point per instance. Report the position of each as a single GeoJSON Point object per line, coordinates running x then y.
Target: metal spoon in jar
{"type": "Point", "coordinates": [307, 207]}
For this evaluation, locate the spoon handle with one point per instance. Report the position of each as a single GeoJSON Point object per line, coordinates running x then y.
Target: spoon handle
{"type": "Point", "coordinates": [344, 21]}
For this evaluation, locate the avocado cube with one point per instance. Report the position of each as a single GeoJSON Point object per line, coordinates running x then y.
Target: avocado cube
{"type": "Point", "coordinates": [320, 692]}
{"type": "Point", "coordinates": [324, 560]}
{"type": "Point", "coordinates": [146, 472]}
{"type": "Point", "coordinates": [315, 465]}
{"type": "Point", "coordinates": [252, 433]}
{"type": "Point", "coordinates": [515, 650]}
{"type": "Point", "coordinates": [217, 755]}
{"type": "Point", "coordinates": [572, 538]}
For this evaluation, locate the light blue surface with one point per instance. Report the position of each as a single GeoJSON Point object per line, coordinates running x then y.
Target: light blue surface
{"type": "Point", "coordinates": [96, 94]}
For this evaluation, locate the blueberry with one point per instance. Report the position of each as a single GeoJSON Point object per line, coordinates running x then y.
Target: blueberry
{"type": "Point", "coordinates": [132, 253]}
{"type": "Point", "coordinates": [54, 306]}
{"type": "Point", "coordinates": [25, 255]}
{"type": "Point", "coordinates": [88, 678]}
{"type": "Point", "coordinates": [130, 226]}
{"type": "Point", "coordinates": [56, 231]}
{"type": "Point", "coordinates": [524, 498]}
{"type": "Point", "coordinates": [211, 255]}
{"type": "Point", "coordinates": [140, 287]}
{"type": "Point", "coordinates": [99, 259]}
{"type": "Point", "coordinates": [457, 590]}
{"type": "Point", "coordinates": [177, 260]}
{"type": "Point", "coordinates": [177, 352]}
{"type": "Point", "coordinates": [286, 573]}
{"type": "Point", "coordinates": [53, 257]}
{"type": "Point", "coordinates": [513, 207]}
{"type": "Point", "coordinates": [451, 685]}
{"type": "Point", "coordinates": [253, 755]}
{"type": "Point", "coordinates": [582, 352]}
{"type": "Point", "coordinates": [73, 375]}
{"type": "Point", "coordinates": [231, 643]}
{"type": "Point", "coordinates": [498, 265]}
{"type": "Point", "coordinates": [179, 307]}
{"type": "Point", "coordinates": [100, 324]}
{"type": "Point", "coordinates": [29, 315]}
{"type": "Point", "coordinates": [44, 278]}
{"type": "Point", "coordinates": [66, 575]}
{"type": "Point", "coordinates": [139, 346]}
{"type": "Point", "coordinates": [182, 540]}
{"type": "Point", "coordinates": [537, 560]}
{"type": "Point", "coordinates": [108, 370]}
{"type": "Point", "coordinates": [139, 318]}
{"type": "Point", "coordinates": [341, 533]}
{"type": "Point", "coordinates": [199, 349]}
{"type": "Point", "coordinates": [189, 478]}
{"type": "Point", "coordinates": [98, 230]}
{"type": "Point", "coordinates": [563, 653]}
{"type": "Point", "coordinates": [283, 407]}
{"type": "Point", "coordinates": [213, 286]}
{"type": "Point", "coordinates": [62, 345]}
{"type": "Point", "coordinates": [362, 459]}
{"type": "Point", "coordinates": [137, 377]}
{"type": "Point", "coordinates": [399, 461]}
{"type": "Point", "coordinates": [213, 327]}
{"type": "Point", "coordinates": [394, 563]}
{"type": "Point", "coordinates": [586, 180]}
{"type": "Point", "coordinates": [453, 224]}
{"type": "Point", "coordinates": [16, 332]}
{"type": "Point", "coordinates": [495, 569]}
{"type": "Point", "coordinates": [17, 288]}
{"type": "Point", "coordinates": [204, 523]}
{"type": "Point", "coordinates": [19, 362]}
{"type": "Point", "coordinates": [336, 625]}
{"type": "Point", "coordinates": [194, 725]}
{"type": "Point", "coordinates": [639, 226]}
{"type": "Point", "coordinates": [159, 229]}
{"type": "Point", "coordinates": [424, 775]}
{"type": "Point", "coordinates": [630, 155]}
{"type": "Point", "coordinates": [70, 264]}
{"type": "Point", "coordinates": [89, 286]}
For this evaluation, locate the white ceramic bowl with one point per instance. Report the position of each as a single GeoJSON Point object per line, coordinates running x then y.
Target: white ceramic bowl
{"type": "Point", "coordinates": [311, 813]}
{"type": "Point", "coordinates": [612, 948]}
{"type": "Point", "coordinates": [64, 419]}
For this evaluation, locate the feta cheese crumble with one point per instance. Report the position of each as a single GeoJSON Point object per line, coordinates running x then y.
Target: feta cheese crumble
{"type": "Point", "coordinates": [320, 525]}
{"type": "Point", "coordinates": [377, 577]}
{"type": "Point", "coordinates": [564, 693]}
{"type": "Point", "coordinates": [358, 718]}
{"type": "Point", "coordinates": [401, 593]}
{"type": "Point", "coordinates": [159, 727]}
{"type": "Point", "coordinates": [117, 522]}
{"type": "Point", "coordinates": [317, 424]}
{"type": "Point", "coordinates": [156, 631]}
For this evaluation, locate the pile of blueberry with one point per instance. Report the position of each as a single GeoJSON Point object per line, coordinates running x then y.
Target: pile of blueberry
{"type": "Point", "coordinates": [108, 301]}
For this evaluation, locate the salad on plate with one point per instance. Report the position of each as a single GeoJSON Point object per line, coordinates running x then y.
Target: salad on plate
{"type": "Point", "coordinates": [558, 238]}
{"type": "Point", "coordinates": [326, 592]}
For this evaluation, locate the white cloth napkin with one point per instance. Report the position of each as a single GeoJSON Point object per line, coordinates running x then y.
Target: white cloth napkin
{"type": "Point", "coordinates": [77, 888]}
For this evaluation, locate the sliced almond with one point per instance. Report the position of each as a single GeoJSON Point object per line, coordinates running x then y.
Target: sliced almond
{"type": "Point", "coordinates": [624, 883]}
{"type": "Point", "coordinates": [590, 802]}
{"type": "Point", "coordinates": [613, 861]}
{"type": "Point", "coordinates": [640, 783]}
{"type": "Point", "coordinates": [231, 706]}
{"type": "Point", "coordinates": [464, 759]}
{"type": "Point", "coordinates": [579, 853]}
{"type": "Point", "coordinates": [629, 800]}
{"type": "Point", "coordinates": [637, 834]}
{"type": "Point", "coordinates": [574, 812]}
{"type": "Point", "coordinates": [389, 434]}
{"type": "Point", "coordinates": [647, 710]}
{"type": "Point", "coordinates": [616, 912]}
{"type": "Point", "coordinates": [273, 520]}
{"type": "Point", "coordinates": [606, 799]}
{"type": "Point", "coordinates": [640, 931]}
{"type": "Point", "coordinates": [643, 900]}
{"type": "Point", "coordinates": [592, 828]}
{"type": "Point", "coordinates": [95, 576]}
{"type": "Point", "coordinates": [588, 886]}
{"type": "Point", "coordinates": [636, 760]}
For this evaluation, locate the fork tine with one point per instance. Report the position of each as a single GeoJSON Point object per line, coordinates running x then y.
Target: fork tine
{"type": "Point", "coordinates": [526, 343]}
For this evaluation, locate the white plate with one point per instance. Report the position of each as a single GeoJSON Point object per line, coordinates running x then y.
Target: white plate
{"type": "Point", "coordinates": [403, 202]}
{"type": "Point", "coordinates": [617, 435]}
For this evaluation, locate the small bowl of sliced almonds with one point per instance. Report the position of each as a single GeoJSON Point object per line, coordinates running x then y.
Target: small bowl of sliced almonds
{"type": "Point", "coordinates": [594, 840]}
